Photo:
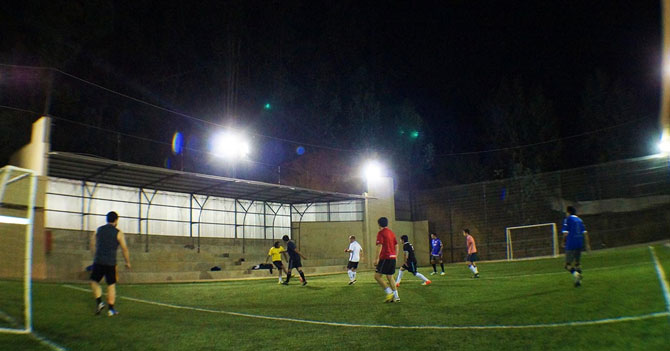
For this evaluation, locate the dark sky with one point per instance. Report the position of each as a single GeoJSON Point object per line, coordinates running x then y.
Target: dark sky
{"type": "Point", "coordinates": [445, 57]}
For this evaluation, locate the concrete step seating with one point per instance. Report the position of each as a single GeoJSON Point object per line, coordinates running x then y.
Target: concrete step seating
{"type": "Point", "coordinates": [172, 259]}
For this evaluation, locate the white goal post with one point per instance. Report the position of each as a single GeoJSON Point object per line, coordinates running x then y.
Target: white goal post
{"type": "Point", "coordinates": [536, 235]}
{"type": "Point", "coordinates": [18, 190]}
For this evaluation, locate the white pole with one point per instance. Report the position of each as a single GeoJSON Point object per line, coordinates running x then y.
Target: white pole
{"type": "Point", "coordinates": [553, 228]}
{"type": "Point", "coordinates": [507, 241]}
{"type": "Point", "coordinates": [29, 254]}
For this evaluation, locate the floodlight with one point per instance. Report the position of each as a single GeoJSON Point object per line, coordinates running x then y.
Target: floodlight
{"type": "Point", "coordinates": [230, 145]}
{"type": "Point", "coordinates": [372, 170]}
{"type": "Point", "coordinates": [664, 144]}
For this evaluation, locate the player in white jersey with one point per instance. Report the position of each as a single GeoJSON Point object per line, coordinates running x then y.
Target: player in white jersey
{"type": "Point", "coordinates": [354, 251]}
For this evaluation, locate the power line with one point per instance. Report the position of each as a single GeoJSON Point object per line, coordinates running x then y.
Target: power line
{"type": "Point", "coordinates": [555, 140]}
{"type": "Point", "coordinates": [165, 109]}
{"type": "Point", "coordinates": [269, 165]}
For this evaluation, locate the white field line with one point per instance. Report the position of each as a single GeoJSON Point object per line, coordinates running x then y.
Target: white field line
{"type": "Point", "coordinates": [42, 340]}
{"type": "Point", "coordinates": [661, 278]}
{"type": "Point", "coordinates": [385, 326]}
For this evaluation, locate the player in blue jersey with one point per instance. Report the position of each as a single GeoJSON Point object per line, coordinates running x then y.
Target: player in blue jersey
{"type": "Point", "coordinates": [575, 239]}
{"type": "Point", "coordinates": [436, 253]}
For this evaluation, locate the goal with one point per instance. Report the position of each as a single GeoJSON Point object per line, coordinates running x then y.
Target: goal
{"type": "Point", "coordinates": [18, 189]}
{"type": "Point", "coordinates": [535, 240]}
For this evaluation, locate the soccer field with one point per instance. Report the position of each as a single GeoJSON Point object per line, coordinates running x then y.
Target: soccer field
{"type": "Point", "coordinates": [529, 305]}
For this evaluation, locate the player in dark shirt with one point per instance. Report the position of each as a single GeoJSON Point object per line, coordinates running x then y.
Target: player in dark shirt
{"type": "Point", "coordinates": [294, 261]}
{"type": "Point", "coordinates": [410, 262]}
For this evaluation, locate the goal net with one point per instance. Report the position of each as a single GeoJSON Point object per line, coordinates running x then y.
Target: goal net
{"type": "Point", "coordinates": [17, 203]}
{"type": "Point", "coordinates": [533, 240]}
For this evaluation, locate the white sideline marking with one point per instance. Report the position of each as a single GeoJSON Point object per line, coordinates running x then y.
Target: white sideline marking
{"type": "Point", "coordinates": [385, 326]}
{"type": "Point", "coordinates": [42, 340]}
{"type": "Point", "coordinates": [661, 278]}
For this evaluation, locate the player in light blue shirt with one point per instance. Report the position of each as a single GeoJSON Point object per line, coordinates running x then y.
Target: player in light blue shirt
{"type": "Point", "coordinates": [575, 238]}
{"type": "Point", "coordinates": [436, 253]}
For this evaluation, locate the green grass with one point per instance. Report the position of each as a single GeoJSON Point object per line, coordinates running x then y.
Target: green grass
{"type": "Point", "coordinates": [617, 283]}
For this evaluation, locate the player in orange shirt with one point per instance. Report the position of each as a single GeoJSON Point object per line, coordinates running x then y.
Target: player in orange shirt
{"type": "Point", "coordinates": [472, 253]}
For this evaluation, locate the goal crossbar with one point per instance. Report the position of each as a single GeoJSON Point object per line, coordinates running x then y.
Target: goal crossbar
{"type": "Point", "coordinates": [508, 237]}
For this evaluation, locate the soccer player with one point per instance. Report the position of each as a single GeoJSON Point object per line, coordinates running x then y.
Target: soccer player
{"type": "Point", "coordinates": [385, 260]}
{"type": "Point", "coordinates": [436, 253]}
{"type": "Point", "coordinates": [472, 253]}
{"type": "Point", "coordinates": [293, 260]}
{"type": "Point", "coordinates": [106, 241]}
{"type": "Point", "coordinates": [354, 251]}
{"type": "Point", "coordinates": [410, 262]}
{"type": "Point", "coordinates": [275, 253]}
{"type": "Point", "coordinates": [574, 238]}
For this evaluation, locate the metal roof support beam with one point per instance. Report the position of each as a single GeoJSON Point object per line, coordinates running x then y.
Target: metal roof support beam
{"type": "Point", "coordinates": [88, 177]}
{"type": "Point", "coordinates": [147, 185]}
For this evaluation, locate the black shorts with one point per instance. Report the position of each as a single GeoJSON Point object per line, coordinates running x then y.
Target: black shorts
{"type": "Point", "coordinates": [436, 258]}
{"type": "Point", "coordinates": [278, 264]}
{"type": "Point", "coordinates": [410, 266]}
{"type": "Point", "coordinates": [386, 267]}
{"type": "Point", "coordinates": [573, 256]}
{"type": "Point", "coordinates": [294, 262]}
{"type": "Point", "coordinates": [101, 270]}
{"type": "Point", "coordinates": [472, 257]}
{"type": "Point", "coordinates": [352, 265]}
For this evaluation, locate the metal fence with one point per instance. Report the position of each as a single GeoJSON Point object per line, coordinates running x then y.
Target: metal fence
{"type": "Point", "coordinates": [624, 202]}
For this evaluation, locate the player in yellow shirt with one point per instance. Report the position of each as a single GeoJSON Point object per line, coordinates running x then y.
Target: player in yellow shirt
{"type": "Point", "coordinates": [275, 253]}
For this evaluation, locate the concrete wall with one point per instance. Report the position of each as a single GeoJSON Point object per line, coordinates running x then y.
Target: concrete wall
{"type": "Point", "coordinates": [32, 156]}
{"type": "Point", "coordinates": [324, 242]}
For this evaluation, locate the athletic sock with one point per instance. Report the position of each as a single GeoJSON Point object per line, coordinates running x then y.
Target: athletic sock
{"type": "Point", "coordinates": [399, 277]}
{"type": "Point", "coordinates": [111, 307]}
{"type": "Point", "coordinates": [476, 270]}
{"type": "Point", "coordinates": [442, 265]}
{"type": "Point", "coordinates": [98, 300]}
{"type": "Point", "coordinates": [395, 294]}
{"type": "Point", "coordinates": [473, 269]}
{"type": "Point", "coordinates": [302, 275]}
{"type": "Point", "coordinates": [353, 273]}
{"type": "Point", "coordinates": [435, 268]}
{"type": "Point", "coordinates": [349, 274]}
{"type": "Point", "coordinates": [422, 277]}
{"type": "Point", "coordinates": [388, 290]}
{"type": "Point", "coordinates": [288, 277]}
{"type": "Point", "coordinates": [572, 271]}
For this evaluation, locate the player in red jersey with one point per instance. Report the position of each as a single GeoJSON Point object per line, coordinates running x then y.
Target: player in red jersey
{"type": "Point", "coordinates": [385, 260]}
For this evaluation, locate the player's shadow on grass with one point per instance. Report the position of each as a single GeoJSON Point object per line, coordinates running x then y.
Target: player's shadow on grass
{"type": "Point", "coordinates": [312, 287]}
{"type": "Point", "coordinates": [520, 297]}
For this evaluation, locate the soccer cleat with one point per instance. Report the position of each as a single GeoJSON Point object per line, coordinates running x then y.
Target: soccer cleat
{"type": "Point", "coordinates": [443, 273]}
{"type": "Point", "coordinates": [578, 279]}
{"type": "Point", "coordinates": [304, 282]}
{"type": "Point", "coordinates": [427, 282]}
{"type": "Point", "coordinates": [112, 312]}
{"type": "Point", "coordinates": [351, 282]}
{"type": "Point", "coordinates": [476, 275]}
{"type": "Point", "coordinates": [397, 299]}
{"type": "Point", "coordinates": [389, 298]}
{"type": "Point", "coordinates": [280, 282]}
{"type": "Point", "coordinates": [284, 283]}
{"type": "Point", "coordinates": [433, 273]}
{"type": "Point", "coordinates": [99, 308]}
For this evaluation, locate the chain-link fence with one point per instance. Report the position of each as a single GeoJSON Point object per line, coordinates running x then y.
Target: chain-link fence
{"type": "Point", "coordinates": [624, 202]}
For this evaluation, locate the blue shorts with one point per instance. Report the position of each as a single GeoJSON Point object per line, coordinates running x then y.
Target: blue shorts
{"type": "Point", "coordinates": [472, 257]}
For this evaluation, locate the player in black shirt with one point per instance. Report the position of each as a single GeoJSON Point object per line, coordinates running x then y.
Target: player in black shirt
{"type": "Point", "coordinates": [410, 262]}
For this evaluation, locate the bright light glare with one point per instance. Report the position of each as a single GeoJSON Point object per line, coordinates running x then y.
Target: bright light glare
{"type": "Point", "coordinates": [230, 145]}
{"type": "Point", "coordinates": [372, 170]}
{"type": "Point", "coordinates": [664, 144]}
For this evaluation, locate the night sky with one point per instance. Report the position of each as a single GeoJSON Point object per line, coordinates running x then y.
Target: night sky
{"type": "Point", "coordinates": [223, 61]}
